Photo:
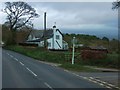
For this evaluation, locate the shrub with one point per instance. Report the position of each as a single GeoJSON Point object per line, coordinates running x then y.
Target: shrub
{"type": "Point", "coordinates": [91, 54]}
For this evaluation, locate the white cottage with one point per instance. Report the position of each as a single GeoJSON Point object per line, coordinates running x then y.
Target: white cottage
{"type": "Point", "coordinates": [54, 39]}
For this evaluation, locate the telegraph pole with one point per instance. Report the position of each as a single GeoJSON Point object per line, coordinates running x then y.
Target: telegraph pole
{"type": "Point", "coordinates": [45, 42]}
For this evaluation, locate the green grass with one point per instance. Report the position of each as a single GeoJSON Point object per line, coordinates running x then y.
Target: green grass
{"type": "Point", "coordinates": [39, 53]}
{"type": "Point", "coordinates": [111, 61]}
{"type": "Point", "coordinates": [49, 56]}
{"type": "Point", "coordinates": [77, 67]}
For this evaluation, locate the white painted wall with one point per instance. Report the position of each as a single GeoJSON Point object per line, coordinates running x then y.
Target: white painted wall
{"type": "Point", "coordinates": [50, 42]}
{"type": "Point", "coordinates": [41, 44]}
{"type": "Point", "coordinates": [56, 46]}
{"type": "Point", "coordinates": [30, 37]}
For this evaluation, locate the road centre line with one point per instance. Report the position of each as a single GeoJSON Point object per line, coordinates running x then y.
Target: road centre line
{"type": "Point", "coordinates": [16, 59]}
{"type": "Point", "coordinates": [31, 71]}
{"type": "Point", "coordinates": [48, 85]}
{"type": "Point", "coordinates": [8, 54]}
{"type": "Point", "coordinates": [21, 63]}
{"type": "Point", "coordinates": [67, 71]}
{"type": "Point", "coordinates": [11, 56]}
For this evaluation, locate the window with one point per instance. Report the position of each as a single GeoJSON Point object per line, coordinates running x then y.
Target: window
{"type": "Point", "coordinates": [57, 37]}
{"type": "Point", "coordinates": [49, 44]}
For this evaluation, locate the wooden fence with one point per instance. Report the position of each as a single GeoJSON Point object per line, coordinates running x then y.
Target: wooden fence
{"type": "Point", "coordinates": [68, 57]}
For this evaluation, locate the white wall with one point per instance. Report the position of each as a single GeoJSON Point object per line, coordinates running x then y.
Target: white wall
{"type": "Point", "coordinates": [56, 46]}
{"type": "Point", "coordinates": [41, 44]}
{"type": "Point", "coordinates": [51, 42]}
{"type": "Point", "coordinates": [30, 37]}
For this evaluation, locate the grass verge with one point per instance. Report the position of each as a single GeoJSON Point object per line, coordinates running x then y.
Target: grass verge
{"type": "Point", "coordinates": [49, 56]}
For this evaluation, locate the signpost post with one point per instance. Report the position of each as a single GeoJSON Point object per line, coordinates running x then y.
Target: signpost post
{"type": "Point", "coordinates": [73, 50]}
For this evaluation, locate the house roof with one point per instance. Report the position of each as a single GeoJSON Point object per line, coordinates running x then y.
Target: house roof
{"type": "Point", "coordinates": [40, 34]}
{"type": "Point", "coordinates": [59, 32]}
{"type": "Point", "coordinates": [49, 33]}
{"type": "Point", "coordinates": [36, 33]}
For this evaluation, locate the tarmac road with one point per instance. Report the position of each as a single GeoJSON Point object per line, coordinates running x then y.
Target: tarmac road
{"type": "Point", "coordinates": [19, 71]}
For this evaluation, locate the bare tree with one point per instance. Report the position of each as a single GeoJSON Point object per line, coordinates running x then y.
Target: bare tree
{"type": "Point", "coordinates": [19, 14]}
{"type": "Point", "coordinates": [116, 4]}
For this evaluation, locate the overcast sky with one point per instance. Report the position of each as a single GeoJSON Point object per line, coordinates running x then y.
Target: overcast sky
{"type": "Point", "coordinates": [95, 18]}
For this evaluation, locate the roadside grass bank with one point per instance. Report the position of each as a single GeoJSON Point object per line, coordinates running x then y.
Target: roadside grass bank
{"type": "Point", "coordinates": [78, 67]}
{"type": "Point", "coordinates": [38, 53]}
{"type": "Point", "coordinates": [60, 57]}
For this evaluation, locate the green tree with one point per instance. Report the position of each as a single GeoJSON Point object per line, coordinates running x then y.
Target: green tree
{"type": "Point", "coordinates": [6, 35]}
{"type": "Point", "coordinates": [116, 4]}
{"type": "Point", "coordinates": [19, 15]}
{"type": "Point", "coordinates": [114, 45]}
{"type": "Point", "coordinates": [105, 38]}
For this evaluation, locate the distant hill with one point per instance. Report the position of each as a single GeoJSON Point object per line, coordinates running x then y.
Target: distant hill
{"type": "Point", "coordinates": [91, 40]}
{"type": "Point", "coordinates": [86, 40]}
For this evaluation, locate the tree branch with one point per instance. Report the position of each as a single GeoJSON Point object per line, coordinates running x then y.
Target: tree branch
{"type": "Point", "coordinates": [17, 11]}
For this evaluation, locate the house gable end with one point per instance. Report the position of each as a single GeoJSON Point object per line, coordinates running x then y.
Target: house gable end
{"type": "Point", "coordinates": [59, 32]}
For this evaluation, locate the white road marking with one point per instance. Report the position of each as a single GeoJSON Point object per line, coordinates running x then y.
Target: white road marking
{"type": "Point", "coordinates": [108, 87]}
{"type": "Point", "coordinates": [66, 70]}
{"type": "Point", "coordinates": [111, 85]}
{"type": "Point", "coordinates": [21, 63]}
{"type": "Point", "coordinates": [48, 85]}
{"type": "Point", "coordinates": [16, 59]}
{"type": "Point", "coordinates": [94, 81]}
{"type": "Point", "coordinates": [102, 83]}
{"type": "Point", "coordinates": [118, 88]}
{"type": "Point", "coordinates": [91, 78]}
{"type": "Point", "coordinates": [8, 54]}
{"type": "Point", "coordinates": [11, 56]}
{"type": "Point", "coordinates": [31, 71]}
{"type": "Point", "coordinates": [97, 80]}
{"type": "Point", "coordinates": [77, 75]}
{"type": "Point", "coordinates": [107, 84]}
{"type": "Point", "coordinates": [85, 78]}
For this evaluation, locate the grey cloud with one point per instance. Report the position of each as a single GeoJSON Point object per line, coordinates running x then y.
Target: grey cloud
{"type": "Point", "coordinates": [80, 13]}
